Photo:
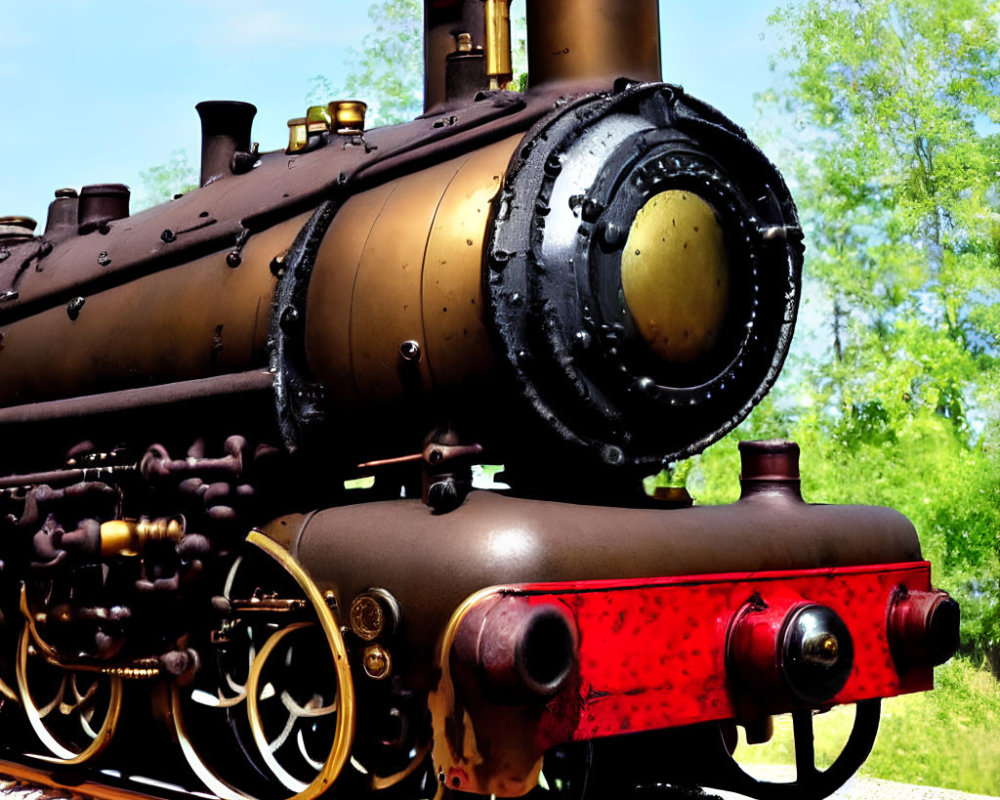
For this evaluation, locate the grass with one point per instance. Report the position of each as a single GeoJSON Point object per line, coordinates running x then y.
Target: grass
{"type": "Point", "coordinates": [949, 737]}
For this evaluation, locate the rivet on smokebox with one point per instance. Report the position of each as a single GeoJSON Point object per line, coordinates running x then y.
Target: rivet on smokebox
{"type": "Point", "coordinates": [74, 306]}
{"type": "Point", "coordinates": [612, 236]}
{"type": "Point", "coordinates": [289, 319]}
{"type": "Point", "coordinates": [377, 662]}
{"type": "Point", "coordinates": [410, 350]}
{"type": "Point", "coordinates": [278, 265]}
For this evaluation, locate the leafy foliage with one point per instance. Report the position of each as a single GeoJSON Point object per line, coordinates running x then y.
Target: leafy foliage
{"type": "Point", "coordinates": [388, 71]}
{"type": "Point", "coordinates": [162, 182]}
{"type": "Point", "coordinates": [889, 115]}
{"type": "Point", "coordinates": [910, 747]}
{"type": "Point", "coordinates": [899, 189]}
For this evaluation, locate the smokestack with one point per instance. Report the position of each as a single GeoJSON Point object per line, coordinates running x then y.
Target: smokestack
{"type": "Point", "coordinates": [577, 40]}
{"type": "Point", "coordinates": [569, 41]}
{"type": "Point", "coordinates": [225, 130]}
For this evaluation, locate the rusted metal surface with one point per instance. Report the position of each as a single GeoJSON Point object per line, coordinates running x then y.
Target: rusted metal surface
{"type": "Point", "coordinates": [924, 626]}
{"type": "Point", "coordinates": [279, 188]}
{"type": "Point", "coordinates": [655, 650]}
{"type": "Point", "coordinates": [184, 323]}
{"type": "Point", "coordinates": [556, 285]}
{"type": "Point", "coordinates": [651, 655]}
{"type": "Point", "coordinates": [516, 649]}
{"type": "Point", "coordinates": [492, 539]}
{"type": "Point", "coordinates": [509, 278]}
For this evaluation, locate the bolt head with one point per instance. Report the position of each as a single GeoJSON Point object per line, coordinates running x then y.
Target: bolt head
{"type": "Point", "coordinates": [376, 662]}
{"type": "Point", "coordinates": [410, 350]}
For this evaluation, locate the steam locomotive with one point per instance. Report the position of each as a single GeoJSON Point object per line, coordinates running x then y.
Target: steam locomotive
{"type": "Point", "coordinates": [584, 282]}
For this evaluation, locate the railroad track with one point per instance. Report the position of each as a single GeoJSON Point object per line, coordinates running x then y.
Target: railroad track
{"type": "Point", "coordinates": [20, 782]}
{"type": "Point", "coordinates": [35, 784]}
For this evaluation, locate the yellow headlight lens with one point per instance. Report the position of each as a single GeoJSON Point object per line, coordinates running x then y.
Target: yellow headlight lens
{"type": "Point", "coordinates": [676, 275]}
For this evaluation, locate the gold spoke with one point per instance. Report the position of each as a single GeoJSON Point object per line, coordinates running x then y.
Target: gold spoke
{"type": "Point", "coordinates": [84, 707]}
{"type": "Point", "coordinates": [57, 701]}
{"type": "Point", "coordinates": [264, 645]}
{"type": "Point", "coordinates": [310, 709]}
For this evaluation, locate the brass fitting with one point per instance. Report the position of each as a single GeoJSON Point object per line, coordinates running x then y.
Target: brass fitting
{"type": "Point", "coordinates": [138, 670]}
{"type": "Point", "coordinates": [348, 116]}
{"type": "Point", "coordinates": [373, 613]}
{"type": "Point", "coordinates": [129, 537]}
{"type": "Point", "coordinates": [317, 120]}
{"type": "Point", "coordinates": [377, 662]}
{"type": "Point", "coordinates": [297, 136]}
{"type": "Point", "coordinates": [498, 58]}
{"type": "Point", "coordinates": [367, 619]}
{"type": "Point", "coordinates": [16, 227]}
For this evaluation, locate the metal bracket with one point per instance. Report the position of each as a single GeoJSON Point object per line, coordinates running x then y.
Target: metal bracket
{"type": "Point", "coordinates": [299, 400]}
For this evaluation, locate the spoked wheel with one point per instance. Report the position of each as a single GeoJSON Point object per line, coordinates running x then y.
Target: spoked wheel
{"type": "Point", "coordinates": [280, 692]}
{"type": "Point", "coordinates": [811, 783]}
{"type": "Point", "coordinates": [292, 708]}
{"type": "Point", "coordinates": [701, 758]}
{"type": "Point", "coordinates": [73, 712]}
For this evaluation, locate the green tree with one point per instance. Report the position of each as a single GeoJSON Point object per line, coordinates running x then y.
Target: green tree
{"type": "Point", "coordinates": [388, 71]}
{"type": "Point", "coordinates": [896, 102]}
{"type": "Point", "coordinates": [162, 182]}
{"type": "Point", "coordinates": [888, 111]}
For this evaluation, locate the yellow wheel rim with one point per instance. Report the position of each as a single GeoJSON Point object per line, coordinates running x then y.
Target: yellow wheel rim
{"type": "Point", "coordinates": [344, 729]}
{"type": "Point", "coordinates": [60, 752]}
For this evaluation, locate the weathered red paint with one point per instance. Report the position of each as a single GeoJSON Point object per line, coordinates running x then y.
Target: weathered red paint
{"type": "Point", "coordinates": [652, 653]}
{"type": "Point", "coordinates": [752, 653]}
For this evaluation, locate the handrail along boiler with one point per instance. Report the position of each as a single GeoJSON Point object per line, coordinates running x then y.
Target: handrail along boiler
{"type": "Point", "coordinates": [584, 281]}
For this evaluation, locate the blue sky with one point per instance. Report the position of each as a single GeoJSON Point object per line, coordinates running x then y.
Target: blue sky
{"type": "Point", "coordinates": [95, 91]}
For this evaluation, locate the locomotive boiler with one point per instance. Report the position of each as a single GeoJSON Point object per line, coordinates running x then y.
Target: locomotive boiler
{"type": "Point", "coordinates": [584, 282]}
